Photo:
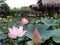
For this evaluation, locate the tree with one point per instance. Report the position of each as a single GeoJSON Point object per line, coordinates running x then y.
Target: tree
{"type": "Point", "coordinates": [24, 11]}
{"type": "Point", "coordinates": [4, 8]}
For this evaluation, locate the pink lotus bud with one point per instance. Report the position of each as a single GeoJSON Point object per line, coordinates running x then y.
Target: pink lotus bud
{"type": "Point", "coordinates": [36, 37]}
{"type": "Point", "coordinates": [24, 21]}
{"type": "Point", "coordinates": [16, 32]}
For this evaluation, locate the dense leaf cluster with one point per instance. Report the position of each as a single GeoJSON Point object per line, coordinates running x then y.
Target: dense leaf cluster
{"type": "Point", "coordinates": [49, 29]}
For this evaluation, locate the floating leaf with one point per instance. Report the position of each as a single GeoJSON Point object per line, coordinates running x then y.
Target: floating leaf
{"type": "Point", "coordinates": [49, 22]}
{"type": "Point", "coordinates": [56, 35]}
{"type": "Point", "coordinates": [30, 29]}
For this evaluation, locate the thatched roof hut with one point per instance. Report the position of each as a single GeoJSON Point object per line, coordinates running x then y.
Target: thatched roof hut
{"type": "Point", "coordinates": [47, 6]}
{"type": "Point", "coordinates": [45, 3]}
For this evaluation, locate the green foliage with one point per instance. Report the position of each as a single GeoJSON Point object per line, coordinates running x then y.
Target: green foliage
{"type": "Point", "coordinates": [56, 35]}
{"type": "Point", "coordinates": [30, 29]}
{"type": "Point", "coordinates": [47, 27]}
{"type": "Point", "coordinates": [3, 36]}
{"type": "Point", "coordinates": [4, 8]}
{"type": "Point", "coordinates": [23, 11]}
{"type": "Point", "coordinates": [49, 22]}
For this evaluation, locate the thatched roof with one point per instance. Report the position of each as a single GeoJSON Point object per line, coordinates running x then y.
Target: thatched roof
{"type": "Point", "coordinates": [51, 2]}
{"type": "Point", "coordinates": [42, 5]}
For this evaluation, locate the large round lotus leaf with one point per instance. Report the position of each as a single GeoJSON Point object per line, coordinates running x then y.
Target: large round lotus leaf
{"type": "Point", "coordinates": [56, 35]}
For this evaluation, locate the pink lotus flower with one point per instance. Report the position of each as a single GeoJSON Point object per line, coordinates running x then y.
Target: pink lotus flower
{"type": "Point", "coordinates": [36, 37]}
{"type": "Point", "coordinates": [24, 21]}
{"type": "Point", "coordinates": [16, 32]}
